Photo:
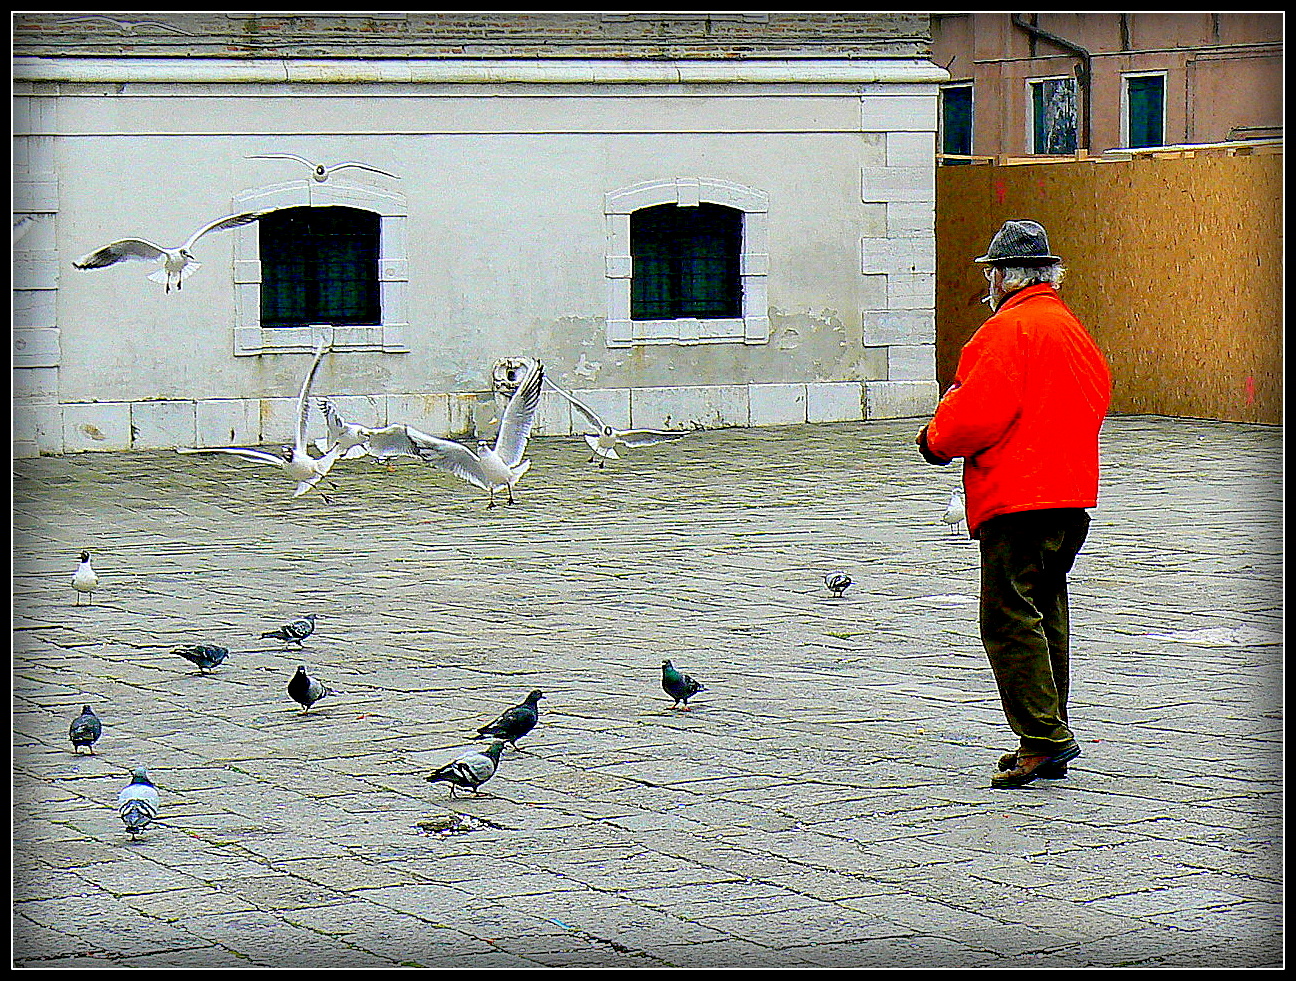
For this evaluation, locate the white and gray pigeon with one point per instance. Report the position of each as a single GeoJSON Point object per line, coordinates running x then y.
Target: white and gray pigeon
{"type": "Point", "coordinates": [470, 770]}
{"type": "Point", "coordinates": [137, 804]}
{"type": "Point", "coordinates": [678, 685]}
{"type": "Point", "coordinates": [177, 261]}
{"type": "Point", "coordinates": [297, 630]}
{"type": "Point", "coordinates": [206, 656]}
{"type": "Point", "coordinates": [603, 446]}
{"type": "Point", "coordinates": [305, 690]}
{"type": "Point", "coordinates": [85, 579]}
{"type": "Point", "coordinates": [837, 583]}
{"type": "Point", "coordinates": [319, 172]}
{"type": "Point", "coordinates": [516, 722]}
{"type": "Point", "coordinates": [85, 730]}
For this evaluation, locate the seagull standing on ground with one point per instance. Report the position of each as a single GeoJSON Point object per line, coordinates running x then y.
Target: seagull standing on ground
{"type": "Point", "coordinates": [318, 171]}
{"type": "Point", "coordinates": [837, 583]}
{"type": "Point", "coordinates": [603, 446]}
{"type": "Point", "coordinates": [516, 722]}
{"type": "Point", "coordinates": [177, 261]}
{"type": "Point", "coordinates": [678, 685]}
{"type": "Point", "coordinates": [138, 803]}
{"type": "Point", "coordinates": [955, 514]}
{"type": "Point", "coordinates": [470, 770]}
{"type": "Point", "coordinates": [491, 468]}
{"type": "Point", "coordinates": [295, 460]}
{"type": "Point", "coordinates": [85, 730]}
{"type": "Point", "coordinates": [85, 579]}
{"type": "Point", "coordinates": [297, 630]}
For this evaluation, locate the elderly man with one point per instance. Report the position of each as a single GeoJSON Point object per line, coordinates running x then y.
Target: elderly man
{"type": "Point", "coordinates": [1024, 412]}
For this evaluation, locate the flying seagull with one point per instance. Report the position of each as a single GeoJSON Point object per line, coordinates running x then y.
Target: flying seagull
{"type": "Point", "coordinates": [837, 582]}
{"type": "Point", "coordinates": [491, 468]}
{"type": "Point", "coordinates": [297, 630]}
{"type": "Point", "coordinates": [85, 729]}
{"type": "Point", "coordinates": [206, 656]}
{"type": "Point", "coordinates": [347, 437]}
{"type": "Point", "coordinates": [295, 460]}
{"type": "Point", "coordinates": [516, 722]}
{"type": "Point", "coordinates": [955, 514]}
{"type": "Point", "coordinates": [678, 685]}
{"type": "Point", "coordinates": [603, 446]}
{"type": "Point", "coordinates": [178, 261]}
{"type": "Point", "coordinates": [138, 803]}
{"type": "Point", "coordinates": [305, 690]}
{"type": "Point", "coordinates": [470, 770]}
{"type": "Point", "coordinates": [318, 170]}
{"type": "Point", "coordinates": [85, 579]}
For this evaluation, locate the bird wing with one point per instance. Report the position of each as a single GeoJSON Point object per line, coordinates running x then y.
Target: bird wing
{"type": "Point", "coordinates": [220, 224]}
{"type": "Point", "coordinates": [280, 156]}
{"type": "Point", "coordinates": [519, 417]}
{"type": "Point", "coordinates": [449, 455]}
{"type": "Point", "coordinates": [580, 406]}
{"type": "Point", "coordinates": [303, 398]}
{"type": "Point", "coordinates": [119, 251]}
{"type": "Point", "coordinates": [390, 441]}
{"type": "Point", "coordinates": [256, 456]}
{"type": "Point", "coordinates": [333, 419]}
{"type": "Point", "coordinates": [362, 166]}
{"type": "Point", "coordinates": [647, 437]}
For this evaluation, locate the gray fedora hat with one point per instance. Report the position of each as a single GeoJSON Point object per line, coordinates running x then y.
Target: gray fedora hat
{"type": "Point", "coordinates": [1019, 242]}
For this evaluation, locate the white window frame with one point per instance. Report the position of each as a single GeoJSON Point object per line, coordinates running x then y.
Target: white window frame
{"type": "Point", "coordinates": [1125, 106]}
{"type": "Point", "coordinates": [752, 327]}
{"type": "Point", "coordinates": [1030, 105]}
{"type": "Point", "coordinates": [389, 336]}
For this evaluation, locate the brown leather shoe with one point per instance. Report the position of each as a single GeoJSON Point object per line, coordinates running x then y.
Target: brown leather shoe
{"type": "Point", "coordinates": [1028, 767]}
{"type": "Point", "coordinates": [1049, 771]}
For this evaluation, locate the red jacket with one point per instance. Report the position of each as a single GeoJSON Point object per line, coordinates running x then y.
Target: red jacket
{"type": "Point", "coordinates": [1024, 411]}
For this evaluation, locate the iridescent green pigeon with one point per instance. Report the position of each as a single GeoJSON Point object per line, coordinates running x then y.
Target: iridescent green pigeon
{"type": "Point", "coordinates": [678, 685]}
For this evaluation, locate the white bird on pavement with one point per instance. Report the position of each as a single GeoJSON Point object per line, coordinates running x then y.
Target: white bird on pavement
{"type": "Point", "coordinates": [85, 579]}
{"type": "Point", "coordinates": [955, 513]}
{"type": "Point", "coordinates": [295, 460]}
{"type": "Point", "coordinates": [491, 468]}
{"type": "Point", "coordinates": [603, 446]}
{"type": "Point", "coordinates": [178, 261]}
{"type": "Point", "coordinates": [318, 170]}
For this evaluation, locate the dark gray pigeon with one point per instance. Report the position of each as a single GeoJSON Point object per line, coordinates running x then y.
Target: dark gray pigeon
{"type": "Point", "coordinates": [516, 722]}
{"type": "Point", "coordinates": [206, 656]}
{"type": "Point", "coordinates": [837, 582]}
{"type": "Point", "coordinates": [678, 685]}
{"type": "Point", "coordinates": [138, 803]}
{"type": "Point", "coordinates": [305, 690]}
{"type": "Point", "coordinates": [85, 729]}
{"type": "Point", "coordinates": [470, 770]}
{"type": "Point", "coordinates": [298, 630]}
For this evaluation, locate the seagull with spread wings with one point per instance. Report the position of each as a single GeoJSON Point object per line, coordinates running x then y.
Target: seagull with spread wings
{"type": "Point", "coordinates": [603, 446]}
{"type": "Point", "coordinates": [176, 262]}
{"type": "Point", "coordinates": [318, 170]}
{"type": "Point", "coordinates": [295, 460]}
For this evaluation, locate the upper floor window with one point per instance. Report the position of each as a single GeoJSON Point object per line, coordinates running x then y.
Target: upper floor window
{"type": "Point", "coordinates": [319, 266]}
{"type": "Point", "coordinates": [1053, 115]}
{"type": "Point", "coordinates": [1144, 121]}
{"type": "Point", "coordinates": [685, 262]}
{"type": "Point", "coordinates": [956, 121]}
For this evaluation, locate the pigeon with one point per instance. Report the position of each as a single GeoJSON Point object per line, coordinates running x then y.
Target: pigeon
{"type": "Point", "coordinates": [837, 583]}
{"type": "Point", "coordinates": [138, 803]}
{"type": "Point", "coordinates": [603, 446]}
{"type": "Point", "coordinates": [678, 685]}
{"type": "Point", "coordinates": [305, 690]}
{"type": "Point", "coordinates": [491, 467]}
{"type": "Point", "coordinates": [85, 729]}
{"type": "Point", "coordinates": [318, 171]}
{"type": "Point", "coordinates": [955, 513]}
{"type": "Point", "coordinates": [178, 261]}
{"type": "Point", "coordinates": [516, 722]}
{"type": "Point", "coordinates": [470, 770]}
{"type": "Point", "coordinates": [295, 460]}
{"type": "Point", "coordinates": [298, 630]}
{"type": "Point", "coordinates": [206, 656]}
{"type": "Point", "coordinates": [84, 580]}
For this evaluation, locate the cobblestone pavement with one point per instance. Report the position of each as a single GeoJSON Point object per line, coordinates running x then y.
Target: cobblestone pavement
{"type": "Point", "coordinates": [826, 801]}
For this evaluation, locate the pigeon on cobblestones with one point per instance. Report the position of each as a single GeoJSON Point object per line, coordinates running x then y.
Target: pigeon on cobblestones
{"type": "Point", "coordinates": [138, 803]}
{"type": "Point", "coordinates": [84, 580]}
{"type": "Point", "coordinates": [955, 514]}
{"type": "Point", "coordinates": [837, 582]}
{"type": "Point", "coordinates": [85, 729]}
{"type": "Point", "coordinates": [470, 770]}
{"type": "Point", "coordinates": [516, 722]}
{"type": "Point", "coordinates": [206, 656]}
{"type": "Point", "coordinates": [297, 630]}
{"type": "Point", "coordinates": [678, 685]}
{"type": "Point", "coordinates": [305, 690]}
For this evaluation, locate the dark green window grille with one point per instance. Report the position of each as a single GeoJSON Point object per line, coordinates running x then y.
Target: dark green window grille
{"type": "Point", "coordinates": [319, 266]}
{"type": "Point", "coordinates": [956, 121]}
{"type": "Point", "coordinates": [686, 262]}
{"type": "Point", "coordinates": [1146, 110]}
{"type": "Point", "coordinates": [1053, 103]}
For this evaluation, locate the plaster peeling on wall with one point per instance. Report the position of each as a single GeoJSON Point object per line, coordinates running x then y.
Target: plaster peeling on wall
{"type": "Point", "coordinates": [586, 368]}
{"type": "Point", "coordinates": [789, 339]}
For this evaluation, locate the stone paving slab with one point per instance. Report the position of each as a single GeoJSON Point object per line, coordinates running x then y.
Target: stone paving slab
{"type": "Point", "coordinates": [825, 802]}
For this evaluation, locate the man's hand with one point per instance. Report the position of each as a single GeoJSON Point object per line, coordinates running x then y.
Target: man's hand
{"type": "Point", "coordinates": [926, 452]}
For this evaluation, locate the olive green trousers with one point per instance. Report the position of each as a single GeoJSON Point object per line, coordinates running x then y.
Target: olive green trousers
{"type": "Point", "coordinates": [1025, 620]}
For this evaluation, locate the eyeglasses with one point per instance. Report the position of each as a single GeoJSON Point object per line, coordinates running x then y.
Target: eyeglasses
{"type": "Point", "coordinates": [988, 271]}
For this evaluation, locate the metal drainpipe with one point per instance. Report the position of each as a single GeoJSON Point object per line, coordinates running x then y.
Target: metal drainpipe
{"type": "Point", "coordinates": [1084, 75]}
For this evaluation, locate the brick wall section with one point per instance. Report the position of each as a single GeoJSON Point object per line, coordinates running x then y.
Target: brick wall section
{"type": "Point", "coordinates": [580, 34]}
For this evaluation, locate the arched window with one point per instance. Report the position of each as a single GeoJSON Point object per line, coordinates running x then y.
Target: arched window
{"type": "Point", "coordinates": [686, 262]}
{"type": "Point", "coordinates": [319, 266]}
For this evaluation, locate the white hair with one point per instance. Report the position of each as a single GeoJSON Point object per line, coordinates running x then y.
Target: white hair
{"type": "Point", "coordinates": [1019, 277]}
